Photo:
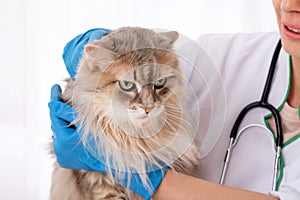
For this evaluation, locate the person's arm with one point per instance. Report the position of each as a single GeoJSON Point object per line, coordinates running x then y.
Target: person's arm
{"type": "Point", "coordinates": [176, 185]}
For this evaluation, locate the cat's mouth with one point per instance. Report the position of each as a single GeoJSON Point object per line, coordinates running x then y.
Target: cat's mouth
{"type": "Point", "coordinates": [140, 114]}
{"type": "Point", "coordinates": [153, 119]}
{"type": "Point", "coordinates": [137, 123]}
{"type": "Point", "coordinates": [143, 122]}
{"type": "Point", "coordinates": [140, 119]}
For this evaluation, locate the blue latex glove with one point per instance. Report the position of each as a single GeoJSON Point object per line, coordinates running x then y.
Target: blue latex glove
{"type": "Point", "coordinates": [73, 50]}
{"type": "Point", "coordinates": [67, 146]}
{"type": "Point", "coordinates": [69, 150]}
{"type": "Point", "coordinates": [71, 153]}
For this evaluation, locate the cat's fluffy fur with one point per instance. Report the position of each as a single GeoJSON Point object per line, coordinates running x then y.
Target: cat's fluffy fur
{"type": "Point", "coordinates": [115, 117]}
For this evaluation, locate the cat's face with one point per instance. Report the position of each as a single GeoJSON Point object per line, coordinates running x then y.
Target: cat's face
{"type": "Point", "coordinates": [131, 96]}
{"type": "Point", "coordinates": [141, 95]}
{"type": "Point", "coordinates": [131, 82]}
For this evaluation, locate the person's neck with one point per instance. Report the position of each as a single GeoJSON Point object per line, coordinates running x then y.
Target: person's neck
{"type": "Point", "coordinates": [294, 96]}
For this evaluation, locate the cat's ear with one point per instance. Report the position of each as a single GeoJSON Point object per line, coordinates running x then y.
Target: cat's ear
{"type": "Point", "coordinates": [171, 35]}
{"type": "Point", "coordinates": [98, 57]}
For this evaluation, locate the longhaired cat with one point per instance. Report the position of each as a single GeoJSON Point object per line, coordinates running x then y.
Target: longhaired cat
{"type": "Point", "coordinates": [134, 104]}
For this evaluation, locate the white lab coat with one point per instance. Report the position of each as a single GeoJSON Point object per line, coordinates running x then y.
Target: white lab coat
{"type": "Point", "coordinates": [242, 64]}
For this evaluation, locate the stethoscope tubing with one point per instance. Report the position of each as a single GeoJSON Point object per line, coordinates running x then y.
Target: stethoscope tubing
{"type": "Point", "coordinates": [263, 103]}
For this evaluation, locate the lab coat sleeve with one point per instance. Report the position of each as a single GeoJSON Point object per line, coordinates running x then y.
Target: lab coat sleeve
{"type": "Point", "coordinates": [289, 188]}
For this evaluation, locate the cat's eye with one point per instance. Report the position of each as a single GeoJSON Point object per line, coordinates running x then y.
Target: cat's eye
{"type": "Point", "coordinates": [159, 84]}
{"type": "Point", "coordinates": [127, 85]}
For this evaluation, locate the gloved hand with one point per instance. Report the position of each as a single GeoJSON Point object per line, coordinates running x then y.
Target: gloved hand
{"type": "Point", "coordinates": [70, 151]}
{"type": "Point", "coordinates": [72, 154]}
{"type": "Point", "coordinates": [74, 49]}
{"type": "Point", "coordinates": [67, 146]}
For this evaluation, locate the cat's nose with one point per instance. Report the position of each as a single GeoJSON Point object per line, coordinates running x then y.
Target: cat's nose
{"type": "Point", "coordinates": [147, 109]}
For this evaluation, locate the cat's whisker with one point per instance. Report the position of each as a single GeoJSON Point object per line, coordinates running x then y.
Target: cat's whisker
{"type": "Point", "coordinates": [182, 125]}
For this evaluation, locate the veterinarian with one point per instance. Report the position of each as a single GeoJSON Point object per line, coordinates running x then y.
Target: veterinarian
{"type": "Point", "coordinates": [243, 61]}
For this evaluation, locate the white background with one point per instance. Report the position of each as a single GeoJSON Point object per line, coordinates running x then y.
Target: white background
{"type": "Point", "coordinates": [32, 36]}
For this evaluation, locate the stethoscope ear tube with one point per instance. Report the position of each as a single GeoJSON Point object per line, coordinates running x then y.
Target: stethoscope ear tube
{"type": "Point", "coordinates": [263, 103]}
{"type": "Point", "coordinates": [276, 168]}
{"type": "Point", "coordinates": [226, 161]}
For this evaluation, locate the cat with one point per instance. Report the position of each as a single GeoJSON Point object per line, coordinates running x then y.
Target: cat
{"type": "Point", "coordinates": [132, 99]}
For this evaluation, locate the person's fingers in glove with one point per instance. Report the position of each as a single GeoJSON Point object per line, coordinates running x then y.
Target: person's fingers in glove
{"type": "Point", "coordinates": [58, 108]}
{"type": "Point", "coordinates": [71, 153]}
{"type": "Point", "coordinates": [74, 49]}
{"type": "Point", "coordinates": [68, 147]}
{"type": "Point", "coordinates": [134, 182]}
{"type": "Point", "coordinates": [67, 144]}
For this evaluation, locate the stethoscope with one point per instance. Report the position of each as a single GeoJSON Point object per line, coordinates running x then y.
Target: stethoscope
{"type": "Point", "coordinates": [262, 103]}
